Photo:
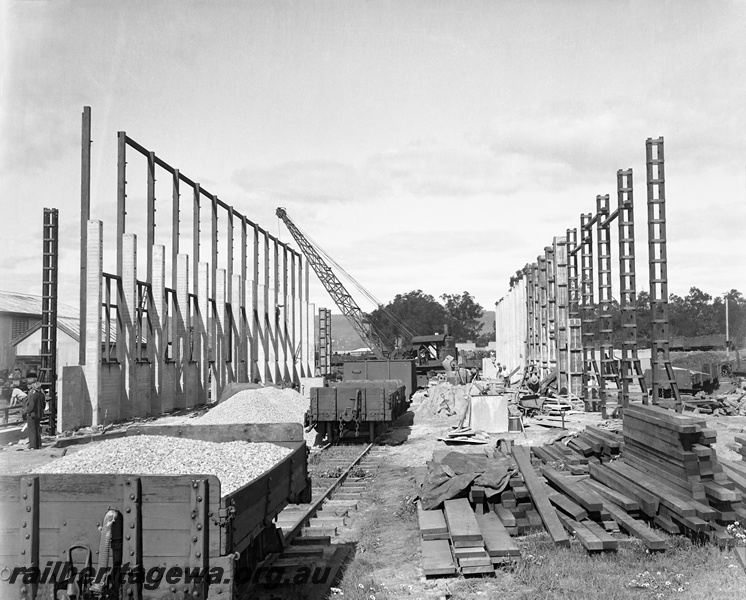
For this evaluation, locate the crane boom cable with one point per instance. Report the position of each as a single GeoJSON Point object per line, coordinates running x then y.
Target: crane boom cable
{"type": "Point", "coordinates": [368, 295]}
{"type": "Point", "coordinates": [346, 303]}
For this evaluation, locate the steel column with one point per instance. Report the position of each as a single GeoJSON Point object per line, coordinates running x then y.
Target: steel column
{"type": "Point", "coordinates": [630, 365]}
{"type": "Point", "coordinates": [660, 363]}
{"type": "Point", "coordinates": [85, 215]}
{"type": "Point", "coordinates": [587, 308]}
{"type": "Point", "coordinates": [175, 200]}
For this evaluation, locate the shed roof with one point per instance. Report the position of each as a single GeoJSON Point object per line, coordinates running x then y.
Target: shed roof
{"type": "Point", "coordinates": [71, 326]}
{"type": "Point", "coordinates": [29, 304]}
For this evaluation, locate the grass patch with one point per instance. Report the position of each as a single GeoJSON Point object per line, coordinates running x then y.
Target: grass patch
{"type": "Point", "coordinates": [358, 584]}
{"type": "Point", "coordinates": [684, 570]}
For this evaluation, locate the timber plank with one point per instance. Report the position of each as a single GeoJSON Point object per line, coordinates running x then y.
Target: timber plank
{"type": "Point", "coordinates": [543, 506]}
{"type": "Point", "coordinates": [566, 505]}
{"type": "Point", "coordinates": [507, 518]}
{"type": "Point", "coordinates": [648, 502]}
{"type": "Point", "coordinates": [586, 537]}
{"type": "Point", "coordinates": [608, 541]}
{"type": "Point", "coordinates": [738, 479]}
{"type": "Point", "coordinates": [589, 500]}
{"type": "Point", "coordinates": [666, 418]}
{"type": "Point", "coordinates": [542, 454]}
{"type": "Point", "coordinates": [580, 446]}
{"type": "Point", "coordinates": [667, 525]}
{"type": "Point", "coordinates": [594, 444]}
{"type": "Point", "coordinates": [462, 524]}
{"type": "Point", "coordinates": [497, 540]}
{"type": "Point", "coordinates": [648, 465]}
{"type": "Point", "coordinates": [664, 493]}
{"type": "Point", "coordinates": [432, 522]}
{"type": "Point", "coordinates": [640, 530]}
{"type": "Point", "coordinates": [437, 558]}
{"type": "Point", "coordinates": [714, 490]}
{"type": "Point", "coordinates": [672, 450]}
{"type": "Point", "coordinates": [636, 428]}
{"type": "Point", "coordinates": [611, 440]}
{"type": "Point", "coordinates": [627, 503]}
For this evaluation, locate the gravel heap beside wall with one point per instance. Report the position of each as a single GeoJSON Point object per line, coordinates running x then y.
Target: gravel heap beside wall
{"type": "Point", "coordinates": [263, 405]}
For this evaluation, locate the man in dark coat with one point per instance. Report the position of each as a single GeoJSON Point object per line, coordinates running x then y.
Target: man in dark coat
{"type": "Point", "coordinates": [33, 408]}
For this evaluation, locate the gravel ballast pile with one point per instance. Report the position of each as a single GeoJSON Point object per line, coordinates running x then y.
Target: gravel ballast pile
{"type": "Point", "coordinates": [264, 405]}
{"type": "Point", "coordinates": [234, 463]}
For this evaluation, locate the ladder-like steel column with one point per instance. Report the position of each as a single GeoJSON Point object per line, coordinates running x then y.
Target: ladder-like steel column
{"type": "Point", "coordinates": [48, 369]}
{"type": "Point", "coordinates": [561, 313]}
{"type": "Point", "coordinates": [551, 308]}
{"type": "Point", "coordinates": [574, 332]}
{"type": "Point", "coordinates": [608, 369]}
{"type": "Point", "coordinates": [660, 362]}
{"type": "Point", "coordinates": [630, 366]}
{"type": "Point", "coordinates": [543, 319]}
{"type": "Point", "coordinates": [587, 309]}
{"type": "Point", "coordinates": [530, 356]}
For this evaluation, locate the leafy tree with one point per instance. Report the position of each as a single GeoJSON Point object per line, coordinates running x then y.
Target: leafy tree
{"type": "Point", "coordinates": [419, 312]}
{"type": "Point", "coordinates": [463, 315]}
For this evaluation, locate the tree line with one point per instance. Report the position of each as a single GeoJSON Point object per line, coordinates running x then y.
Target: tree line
{"type": "Point", "coordinates": [424, 315]}
{"type": "Point", "coordinates": [695, 314]}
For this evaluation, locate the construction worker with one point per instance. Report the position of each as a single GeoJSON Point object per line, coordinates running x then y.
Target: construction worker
{"type": "Point", "coordinates": [533, 382]}
{"type": "Point", "coordinates": [33, 411]}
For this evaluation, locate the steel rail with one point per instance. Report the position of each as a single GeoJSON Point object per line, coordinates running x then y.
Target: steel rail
{"type": "Point", "coordinates": [313, 509]}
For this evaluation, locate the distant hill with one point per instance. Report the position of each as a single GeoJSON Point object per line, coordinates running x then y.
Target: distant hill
{"type": "Point", "coordinates": [345, 339]}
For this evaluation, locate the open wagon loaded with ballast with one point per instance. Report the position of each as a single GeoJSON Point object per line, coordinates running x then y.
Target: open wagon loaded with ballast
{"type": "Point", "coordinates": [161, 512]}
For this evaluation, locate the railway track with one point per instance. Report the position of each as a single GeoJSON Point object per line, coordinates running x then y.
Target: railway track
{"type": "Point", "coordinates": [313, 553]}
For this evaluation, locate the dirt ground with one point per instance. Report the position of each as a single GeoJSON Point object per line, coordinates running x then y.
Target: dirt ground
{"type": "Point", "coordinates": [387, 562]}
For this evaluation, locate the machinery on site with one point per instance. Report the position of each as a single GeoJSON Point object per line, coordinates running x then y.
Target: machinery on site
{"type": "Point", "coordinates": [336, 289]}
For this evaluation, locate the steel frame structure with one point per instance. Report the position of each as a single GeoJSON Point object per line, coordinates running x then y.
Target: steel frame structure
{"type": "Point", "coordinates": [660, 363]}
{"type": "Point", "coordinates": [561, 309]}
{"type": "Point", "coordinates": [574, 338]}
{"type": "Point", "coordinates": [549, 336]}
{"type": "Point", "coordinates": [588, 320]}
{"type": "Point", "coordinates": [179, 342]}
{"type": "Point", "coordinates": [630, 364]}
{"type": "Point", "coordinates": [48, 368]}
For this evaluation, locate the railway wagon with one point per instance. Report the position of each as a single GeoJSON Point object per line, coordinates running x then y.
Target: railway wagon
{"type": "Point", "coordinates": [383, 370]}
{"type": "Point", "coordinates": [357, 407]}
{"type": "Point", "coordinates": [177, 536]}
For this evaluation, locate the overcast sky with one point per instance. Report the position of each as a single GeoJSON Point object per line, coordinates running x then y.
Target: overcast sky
{"type": "Point", "coordinates": [434, 145]}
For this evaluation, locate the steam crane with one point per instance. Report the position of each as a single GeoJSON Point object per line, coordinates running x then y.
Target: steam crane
{"type": "Point", "coordinates": [337, 290]}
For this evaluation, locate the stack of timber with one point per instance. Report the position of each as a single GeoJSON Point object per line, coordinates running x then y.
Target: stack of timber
{"type": "Point", "coordinates": [595, 513]}
{"type": "Point", "coordinates": [455, 539]}
{"type": "Point", "coordinates": [514, 507]}
{"type": "Point", "coordinates": [671, 471]}
{"type": "Point", "coordinates": [572, 456]}
{"type": "Point", "coordinates": [740, 441]}
{"type": "Point", "coordinates": [606, 444]}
